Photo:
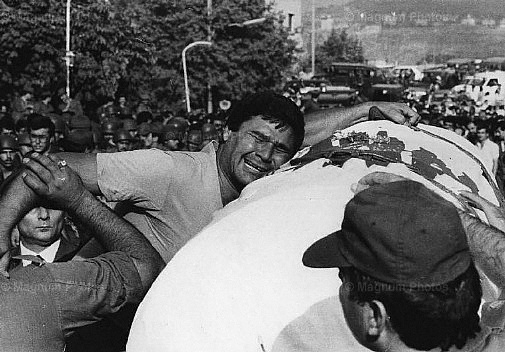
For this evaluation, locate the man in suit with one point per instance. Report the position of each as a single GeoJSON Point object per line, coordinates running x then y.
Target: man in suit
{"type": "Point", "coordinates": [44, 236]}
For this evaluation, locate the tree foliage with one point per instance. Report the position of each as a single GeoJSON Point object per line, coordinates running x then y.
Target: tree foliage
{"type": "Point", "coordinates": [338, 47]}
{"type": "Point", "coordinates": [129, 47]}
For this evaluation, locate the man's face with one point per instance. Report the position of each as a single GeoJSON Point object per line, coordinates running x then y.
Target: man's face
{"type": "Point", "coordinates": [108, 136]}
{"type": "Point", "coordinates": [255, 150]}
{"type": "Point", "coordinates": [147, 140]}
{"type": "Point", "coordinates": [40, 139]}
{"type": "Point", "coordinates": [7, 158]}
{"type": "Point", "coordinates": [500, 133]}
{"type": "Point", "coordinates": [122, 100]}
{"type": "Point", "coordinates": [482, 134]}
{"type": "Point", "coordinates": [124, 146]}
{"type": "Point", "coordinates": [8, 132]}
{"type": "Point", "coordinates": [41, 226]}
{"type": "Point", "coordinates": [472, 128]}
{"type": "Point", "coordinates": [194, 141]}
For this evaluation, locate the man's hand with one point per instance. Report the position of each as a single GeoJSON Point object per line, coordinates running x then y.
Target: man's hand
{"type": "Point", "coordinates": [51, 179]}
{"type": "Point", "coordinates": [375, 178]}
{"type": "Point", "coordinates": [495, 215]}
{"type": "Point", "coordinates": [395, 112]}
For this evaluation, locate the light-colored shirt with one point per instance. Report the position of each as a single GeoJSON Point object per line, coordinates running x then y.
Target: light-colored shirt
{"type": "Point", "coordinates": [48, 253]}
{"type": "Point", "coordinates": [490, 153]}
{"type": "Point", "coordinates": [171, 195]}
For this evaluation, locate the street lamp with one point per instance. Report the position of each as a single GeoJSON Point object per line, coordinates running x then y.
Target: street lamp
{"type": "Point", "coordinates": [208, 42]}
{"type": "Point", "coordinates": [69, 55]}
{"type": "Point", "coordinates": [185, 70]}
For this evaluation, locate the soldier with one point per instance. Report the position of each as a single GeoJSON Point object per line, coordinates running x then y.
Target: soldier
{"type": "Point", "coordinates": [174, 134]}
{"type": "Point", "coordinates": [209, 134]}
{"type": "Point", "coordinates": [194, 140]}
{"type": "Point", "coordinates": [146, 135]}
{"type": "Point", "coordinates": [123, 140]}
{"type": "Point", "coordinates": [9, 159]}
{"type": "Point", "coordinates": [108, 129]}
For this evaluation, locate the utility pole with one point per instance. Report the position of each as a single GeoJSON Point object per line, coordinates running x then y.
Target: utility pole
{"type": "Point", "coordinates": [313, 38]}
{"type": "Point", "coordinates": [209, 39]}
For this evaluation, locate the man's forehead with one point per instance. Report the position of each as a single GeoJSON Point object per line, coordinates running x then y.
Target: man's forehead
{"type": "Point", "coordinates": [264, 122]}
{"type": "Point", "coordinates": [40, 131]}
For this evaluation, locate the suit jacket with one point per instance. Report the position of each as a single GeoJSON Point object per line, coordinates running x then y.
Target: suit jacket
{"type": "Point", "coordinates": [70, 244]}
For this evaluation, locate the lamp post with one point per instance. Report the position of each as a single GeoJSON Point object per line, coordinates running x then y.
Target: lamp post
{"type": "Point", "coordinates": [69, 55]}
{"type": "Point", "coordinates": [208, 42]}
{"type": "Point", "coordinates": [185, 70]}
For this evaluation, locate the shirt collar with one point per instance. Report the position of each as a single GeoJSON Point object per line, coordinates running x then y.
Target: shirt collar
{"type": "Point", "coordinates": [48, 254]}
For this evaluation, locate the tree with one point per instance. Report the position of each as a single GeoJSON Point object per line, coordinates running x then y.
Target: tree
{"type": "Point", "coordinates": [339, 47]}
{"type": "Point", "coordinates": [129, 46]}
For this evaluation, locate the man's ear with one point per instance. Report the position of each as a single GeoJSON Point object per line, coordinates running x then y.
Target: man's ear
{"type": "Point", "coordinates": [377, 319]}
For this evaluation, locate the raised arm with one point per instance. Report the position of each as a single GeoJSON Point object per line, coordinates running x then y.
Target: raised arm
{"type": "Point", "coordinates": [321, 124]}
{"type": "Point", "coordinates": [487, 243]}
{"type": "Point", "coordinates": [17, 199]}
{"type": "Point", "coordinates": [61, 187]}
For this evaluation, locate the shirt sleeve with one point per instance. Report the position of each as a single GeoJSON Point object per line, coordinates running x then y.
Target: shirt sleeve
{"type": "Point", "coordinates": [140, 176]}
{"type": "Point", "coordinates": [90, 289]}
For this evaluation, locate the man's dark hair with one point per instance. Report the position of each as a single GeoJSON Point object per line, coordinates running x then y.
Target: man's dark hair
{"type": "Point", "coordinates": [37, 121]}
{"type": "Point", "coordinates": [483, 125]}
{"type": "Point", "coordinates": [425, 318]}
{"type": "Point", "coordinates": [272, 107]}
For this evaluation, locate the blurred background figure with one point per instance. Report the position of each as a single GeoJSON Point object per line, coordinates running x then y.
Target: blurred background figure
{"type": "Point", "coordinates": [9, 158]}
{"type": "Point", "coordinates": [194, 140]}
{"type": "Point", "coordinates": [209, 133]}
{"type": "Point", "coordinates": [25, 144]}
{"type": "Point", "coordinates": [145, 135]}
{"type": "Point", "coordinates": [123, 140]}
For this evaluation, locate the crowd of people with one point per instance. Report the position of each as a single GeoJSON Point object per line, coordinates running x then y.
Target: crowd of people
{"type": "Point", "coordinates": [164, 177]}
{"type": "Point", "coordinates": [27, 124]}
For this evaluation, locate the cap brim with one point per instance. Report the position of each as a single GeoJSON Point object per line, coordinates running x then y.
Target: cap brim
{"type": "Point", "coordinates": [325, 253]}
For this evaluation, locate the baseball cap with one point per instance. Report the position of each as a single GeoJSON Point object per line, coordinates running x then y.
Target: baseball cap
{"type": "Point", "coordinates": [399, 233]}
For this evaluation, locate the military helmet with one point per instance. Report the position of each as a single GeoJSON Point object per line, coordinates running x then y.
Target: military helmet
{"type": "Point", "coordinates": [8, 142]}
{"type": "Point", "coordinates": [122, 135]}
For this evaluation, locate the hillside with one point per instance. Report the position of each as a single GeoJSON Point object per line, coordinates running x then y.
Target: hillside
{"type": "Point", "coordinates": [410, 45]}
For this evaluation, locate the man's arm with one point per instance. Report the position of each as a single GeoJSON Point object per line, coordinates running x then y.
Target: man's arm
{"type": "Point", "coordinates": [85, 166]}
{"type": "Point", "coordinates": [62, 188]}
{"type": "Point", "coordinates": [487, 243]}
{"type": "Point", "coordinates": [322, 123]}
{"type": "Point", "coordinates": [17, 199]}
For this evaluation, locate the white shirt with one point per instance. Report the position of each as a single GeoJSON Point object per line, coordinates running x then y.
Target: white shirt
{"type": "Point", "coordinates": [48, 254]}
{"type": "Point", "coordinates": [490, 152]}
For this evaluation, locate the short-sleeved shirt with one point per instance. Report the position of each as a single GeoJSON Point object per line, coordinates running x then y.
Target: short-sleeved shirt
{"type": "Point", "coordinates": [490, 152]}
{"type": "Point", "coordinates": [171, 195]}
{"type": "Point", "coordinates": [40, 306]}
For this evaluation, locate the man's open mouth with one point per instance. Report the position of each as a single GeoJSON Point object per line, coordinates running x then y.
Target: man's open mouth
{"type": "Point", "coordinates": [255, 166]}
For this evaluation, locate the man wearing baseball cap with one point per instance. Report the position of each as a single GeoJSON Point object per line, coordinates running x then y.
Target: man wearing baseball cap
{"type": "Point", "coordinates": [408, 278]}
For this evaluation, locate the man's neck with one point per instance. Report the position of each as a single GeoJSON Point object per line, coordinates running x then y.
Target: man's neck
{"type": "Point", "coordinates": [228, 191]}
